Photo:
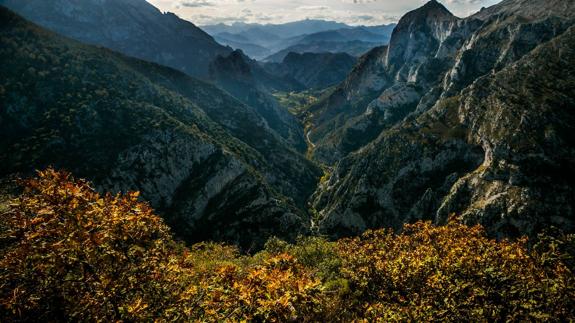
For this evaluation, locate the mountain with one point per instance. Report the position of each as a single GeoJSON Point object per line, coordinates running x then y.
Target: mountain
{"type": "Point", "coordinates": [354, 41]}
{"type": "Point", "coordinates": [313, 71]}
{"type": "Point", "coordinates": [243, 78]}
{"type": "Point", "coordinates": [210, 164]}
{"type": "Point", "coordinates": [133, 27]}
{"type": "Point", "coordinates": [380, 34]}
{"type": "Point", "coordinates": [263, 41]}
{"type": "Point", "coordinates": [240, 42]}
{"type": "Point", "coordinates": [415, 50]}
{"type": "Point", "coordinates": [456, 116]}
{"type": "Point", "coordinates": [286, 30]}
{"type": "Point", "coordinates": [529, 9]}
{"type": "Point", "coordinates": [136, 28]}
{"type": "Point", "coordinates": [354, 48]}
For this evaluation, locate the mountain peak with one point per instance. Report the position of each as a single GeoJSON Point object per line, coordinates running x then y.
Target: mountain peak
{"type": "Point", "coordinates": [431, 16]}
{"type": "Point", "coordinates": [432, 9]}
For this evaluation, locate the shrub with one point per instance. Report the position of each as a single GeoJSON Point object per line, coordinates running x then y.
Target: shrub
{"type": "Point", "coordinates": [74, 254]}
{"type": "Point", "coordinates": [71, 254]}
{"type": "Point", "coordinates": [454, 273]}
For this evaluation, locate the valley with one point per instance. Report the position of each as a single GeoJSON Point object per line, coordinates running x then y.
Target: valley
{"type": "Point", "coordinates": [249, 171]}
{"type": "Point", "coordinates": [369, 142]}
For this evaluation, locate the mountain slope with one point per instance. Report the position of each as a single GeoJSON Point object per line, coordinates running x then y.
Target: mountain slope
{"type": "Point", "coordinates": [409, 66]}
{"type": "Point", "coordinates": [354, 48]}
{"type": "Point", "coordinates": [132, 27]}
{"type": "Point", "coordinates": [431, 54]}
{"type": "Point", "coordinates": [136, 28]}
{"type": "Point", "coordinates": [131, 125]}
{"type": "Point", "coordinates": [317, 71]}
{"type": "Point", "coordinates": [251, 84]}
{"type": "Point", "coordinates": [529, 9]}
{"type": "Point", "coordinates": [470, 116]}
{"type": "Point", "coordinates": [501, 154]}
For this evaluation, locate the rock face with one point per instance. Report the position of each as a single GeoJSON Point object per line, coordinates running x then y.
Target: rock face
{"type": "Point", "coordinates": [418, 53]}
{"type": "Point", "coordinates": [207, 162]}
{"type": "Point", "coordinates": [313, 70]}
{"type": "Point", "coordinates": [132, 27]}
{"type": "Point", "coordinates": [466, 116]}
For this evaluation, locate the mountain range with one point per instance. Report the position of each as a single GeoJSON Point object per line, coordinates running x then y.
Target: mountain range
{"type": "Point", "coordinates": [136, 28]}
{"type": "Point", "coordinates": [313, 70]}
{"type": "Point", "coordinates": [273, 42]}
{"type": "Point", "coordinates": [466, 118]}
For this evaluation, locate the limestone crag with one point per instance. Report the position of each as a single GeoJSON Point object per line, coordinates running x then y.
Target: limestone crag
{"type": "Point", "coordinates": [485, 134]}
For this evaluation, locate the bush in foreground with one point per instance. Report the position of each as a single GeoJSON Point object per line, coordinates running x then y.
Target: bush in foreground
{"type": "Point", "coordinates": [69, 253]}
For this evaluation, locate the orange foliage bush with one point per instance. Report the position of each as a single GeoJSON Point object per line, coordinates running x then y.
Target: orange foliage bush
{"type": "Point", "coordinates": [74, 254]}
{"type": "Point", "coordinates": [453, 273]}
{"type": "Point", "coordinates": [68, 253]}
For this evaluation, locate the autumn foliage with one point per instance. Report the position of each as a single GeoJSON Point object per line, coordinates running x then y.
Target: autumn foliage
{"type": "Point", "coordinates": [69, 253]}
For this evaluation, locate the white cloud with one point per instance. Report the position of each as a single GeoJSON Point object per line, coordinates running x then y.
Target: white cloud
{"type": "Point", "coordinates": [355, 12]}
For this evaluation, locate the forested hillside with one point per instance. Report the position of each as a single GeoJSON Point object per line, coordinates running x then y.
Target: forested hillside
{"type": "Point", "coordinates": [201, 157]}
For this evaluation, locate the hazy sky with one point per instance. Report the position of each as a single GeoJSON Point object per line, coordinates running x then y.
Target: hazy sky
{"type": "Point", "coordinates": [355, 12]}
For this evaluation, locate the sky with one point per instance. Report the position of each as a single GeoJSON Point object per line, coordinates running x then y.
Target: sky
{"type": "Point", "coordinates": [353, 12]}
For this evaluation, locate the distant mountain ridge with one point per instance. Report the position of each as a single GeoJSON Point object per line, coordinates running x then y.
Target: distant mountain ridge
{"type": "Point", "coordinates": [354, 48]}
{"type": "Point", "coordinates": [287, 30]}
{"type": "Point", "coordinates": [273, 42]}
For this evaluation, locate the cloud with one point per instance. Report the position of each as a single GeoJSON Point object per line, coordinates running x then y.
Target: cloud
{"type": "Point", "coordinates": [193, 3]}
{"type": "Point", "coordinates": [312, 8]}
{"type": "Point", "coordinates": [354, 12]}
{"type": "Point", "coordinates": [358, 1]}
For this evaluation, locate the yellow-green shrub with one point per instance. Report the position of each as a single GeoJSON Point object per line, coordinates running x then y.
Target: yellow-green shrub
{"type": "Point", "coordinates": [453, 273]}
{"type": "Point", "coordinates": [69, 253]}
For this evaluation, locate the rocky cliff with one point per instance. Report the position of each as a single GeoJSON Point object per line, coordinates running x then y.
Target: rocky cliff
{"type": "Point", "coordinates": [472, 117]}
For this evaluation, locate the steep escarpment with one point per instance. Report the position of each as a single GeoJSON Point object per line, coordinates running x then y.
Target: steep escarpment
{"type": "Point", "coordinates": [362, 85]}
{"type": "Point", "coordinates": [523, 118]}
{"type": "Point", "coordinates": [475, 121]}
{"type": "Point", "coordinates": [131, 125]}
{"type": "Point", "coordinates": [412, 64]}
